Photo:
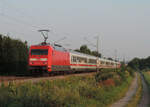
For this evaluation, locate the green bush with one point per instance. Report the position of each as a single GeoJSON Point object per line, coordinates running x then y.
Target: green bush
{"type": "Point", "coordinates": [131, 71]}
{"type": "Point", "coordinates": [122, 75]}
{"type": "Point", "coordinates": [101, 76]}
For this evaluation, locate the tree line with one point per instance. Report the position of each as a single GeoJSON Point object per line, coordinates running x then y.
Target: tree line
{"type": "Point", "coordinates": [13, 56]}
{"type": "Point", "coordinates": [140, 64]}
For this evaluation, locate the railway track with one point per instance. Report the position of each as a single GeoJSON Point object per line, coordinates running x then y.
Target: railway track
{"type": "Point", "coordinates": [19, 80]}
{"type": "Point", "coordinates": [11, 78]}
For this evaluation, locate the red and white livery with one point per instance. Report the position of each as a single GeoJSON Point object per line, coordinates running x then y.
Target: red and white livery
{"type": "Point", "coordinates": [51, 58]}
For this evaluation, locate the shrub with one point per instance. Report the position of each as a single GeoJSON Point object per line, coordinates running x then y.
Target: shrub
{"type": "Point", "coordinates": [131, 71]}
{"type": "Point", "coordinates": [101, 76]}
{"type": "Point", "coordinates": [122, 75]}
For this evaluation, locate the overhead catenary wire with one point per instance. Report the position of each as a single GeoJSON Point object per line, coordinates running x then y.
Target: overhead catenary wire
{"type": "Point", "coordinates": [3, 13]}
{"type": "Point", "coordinates": [14, 19]}
{"type": "Point", "coordinates": [28, 24]}
{"type": "Point", "coordinates": [16, 10]}
{"type": "Point", "coordinates": [9, 6]}
{"type": "Point", "coordinates": [59, 40]}
{"type": "Point", "coordinates": [89, 42]}
{"type": "Point", "coordinates": [19, 21]}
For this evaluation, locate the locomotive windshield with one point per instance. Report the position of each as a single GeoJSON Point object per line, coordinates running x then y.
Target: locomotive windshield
{"type": "Point", "coordinates": [39, 52]}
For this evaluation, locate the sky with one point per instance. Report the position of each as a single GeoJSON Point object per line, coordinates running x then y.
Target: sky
{"type": "Point", "coordinates": [123, 26]}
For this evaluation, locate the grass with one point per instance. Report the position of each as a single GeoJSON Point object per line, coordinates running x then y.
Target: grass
{"type": "Point", "coordinates": [136, 98]}
{"type": "Point", "coordinates": [147, 77]}
{"type": "Point", "coordinates": [81, 91]}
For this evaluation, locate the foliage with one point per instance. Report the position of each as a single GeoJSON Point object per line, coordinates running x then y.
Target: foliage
{"type": "Point", "coordinates": [13, 55]}
{"type": "Point", "coordinates": [147, 77]}
{"type": "Point", "coordinates": [110, 59]}
{"type": "Point", "coordinates": [140, 64]}
{"type": "Point", "coordinates": [102, 75]}
{"type": "Point", "coordinates": [81, 91]}
{"type": "Point", "coordinates": [95, 53]}
{"type": "Point", "coordinates": [117, 75]}
{"type": "Point", "coordinates": [86, 50]}
{"type": "Point", "coordinates": [131, 71]}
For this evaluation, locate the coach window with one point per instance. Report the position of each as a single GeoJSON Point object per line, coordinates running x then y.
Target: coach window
{"type": "Point", "coordinates": [93, 61]}
{"type": "Point", "coordinates": [82, 60]}
{"type": "Point", "coordinates": [107, 63]}
{"type": "Point", "coordinates": [73, 59]}
{"type": "Point", "coordinates": [78, 59]}
{"type": "Point", "coordinates": [85, 60]}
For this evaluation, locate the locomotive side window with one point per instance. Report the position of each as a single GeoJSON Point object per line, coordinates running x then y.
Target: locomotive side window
{"type": "Point", "coordinates": [39, 52]}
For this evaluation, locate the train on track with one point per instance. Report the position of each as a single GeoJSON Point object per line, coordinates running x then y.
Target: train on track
{"type": "Point", "coordinates": [46, 58]}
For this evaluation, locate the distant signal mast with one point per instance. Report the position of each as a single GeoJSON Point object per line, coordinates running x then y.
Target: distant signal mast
{"type": "Point", "coordinates": [44, 32]}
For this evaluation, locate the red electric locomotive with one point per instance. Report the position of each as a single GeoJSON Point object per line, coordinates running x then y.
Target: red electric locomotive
{"type": "Point", "coordinates": [45, 57]}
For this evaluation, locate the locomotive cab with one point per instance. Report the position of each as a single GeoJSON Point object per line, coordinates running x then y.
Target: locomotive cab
{"type": "Point", "coordinates": [38, 58]}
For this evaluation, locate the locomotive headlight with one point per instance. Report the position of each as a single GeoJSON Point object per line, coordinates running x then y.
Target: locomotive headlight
{"type": "Point", "coordinates": [44, 62]}
{"type": "Point", "coordinates": [43, 59]}
{"type": "Point", "coordinates": [33, 59]}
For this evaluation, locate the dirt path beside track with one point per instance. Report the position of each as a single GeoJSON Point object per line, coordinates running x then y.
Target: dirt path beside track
{"type": "Point", "coordinates": [144, 102]}
{"type": "Point", "coordinates": [129, 95]}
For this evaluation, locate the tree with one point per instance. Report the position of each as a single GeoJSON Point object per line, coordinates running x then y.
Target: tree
{"type": "Point", "coordinates": [13, 55]}
{"type": "Point", "coordinates": [141, 64]}
{"type": "Point", "coordinates": [77, 50]}
{"type": "Point", "coordinates": [95, 53]}
{"type": "Point", "coordinates": [110, 59]}
{"type": "Point", "coordinates": [1, 48]}
{"type": "Point", "coordinates": [84, 49]}
{"type": "Point", "coordinates": [134, 63]}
